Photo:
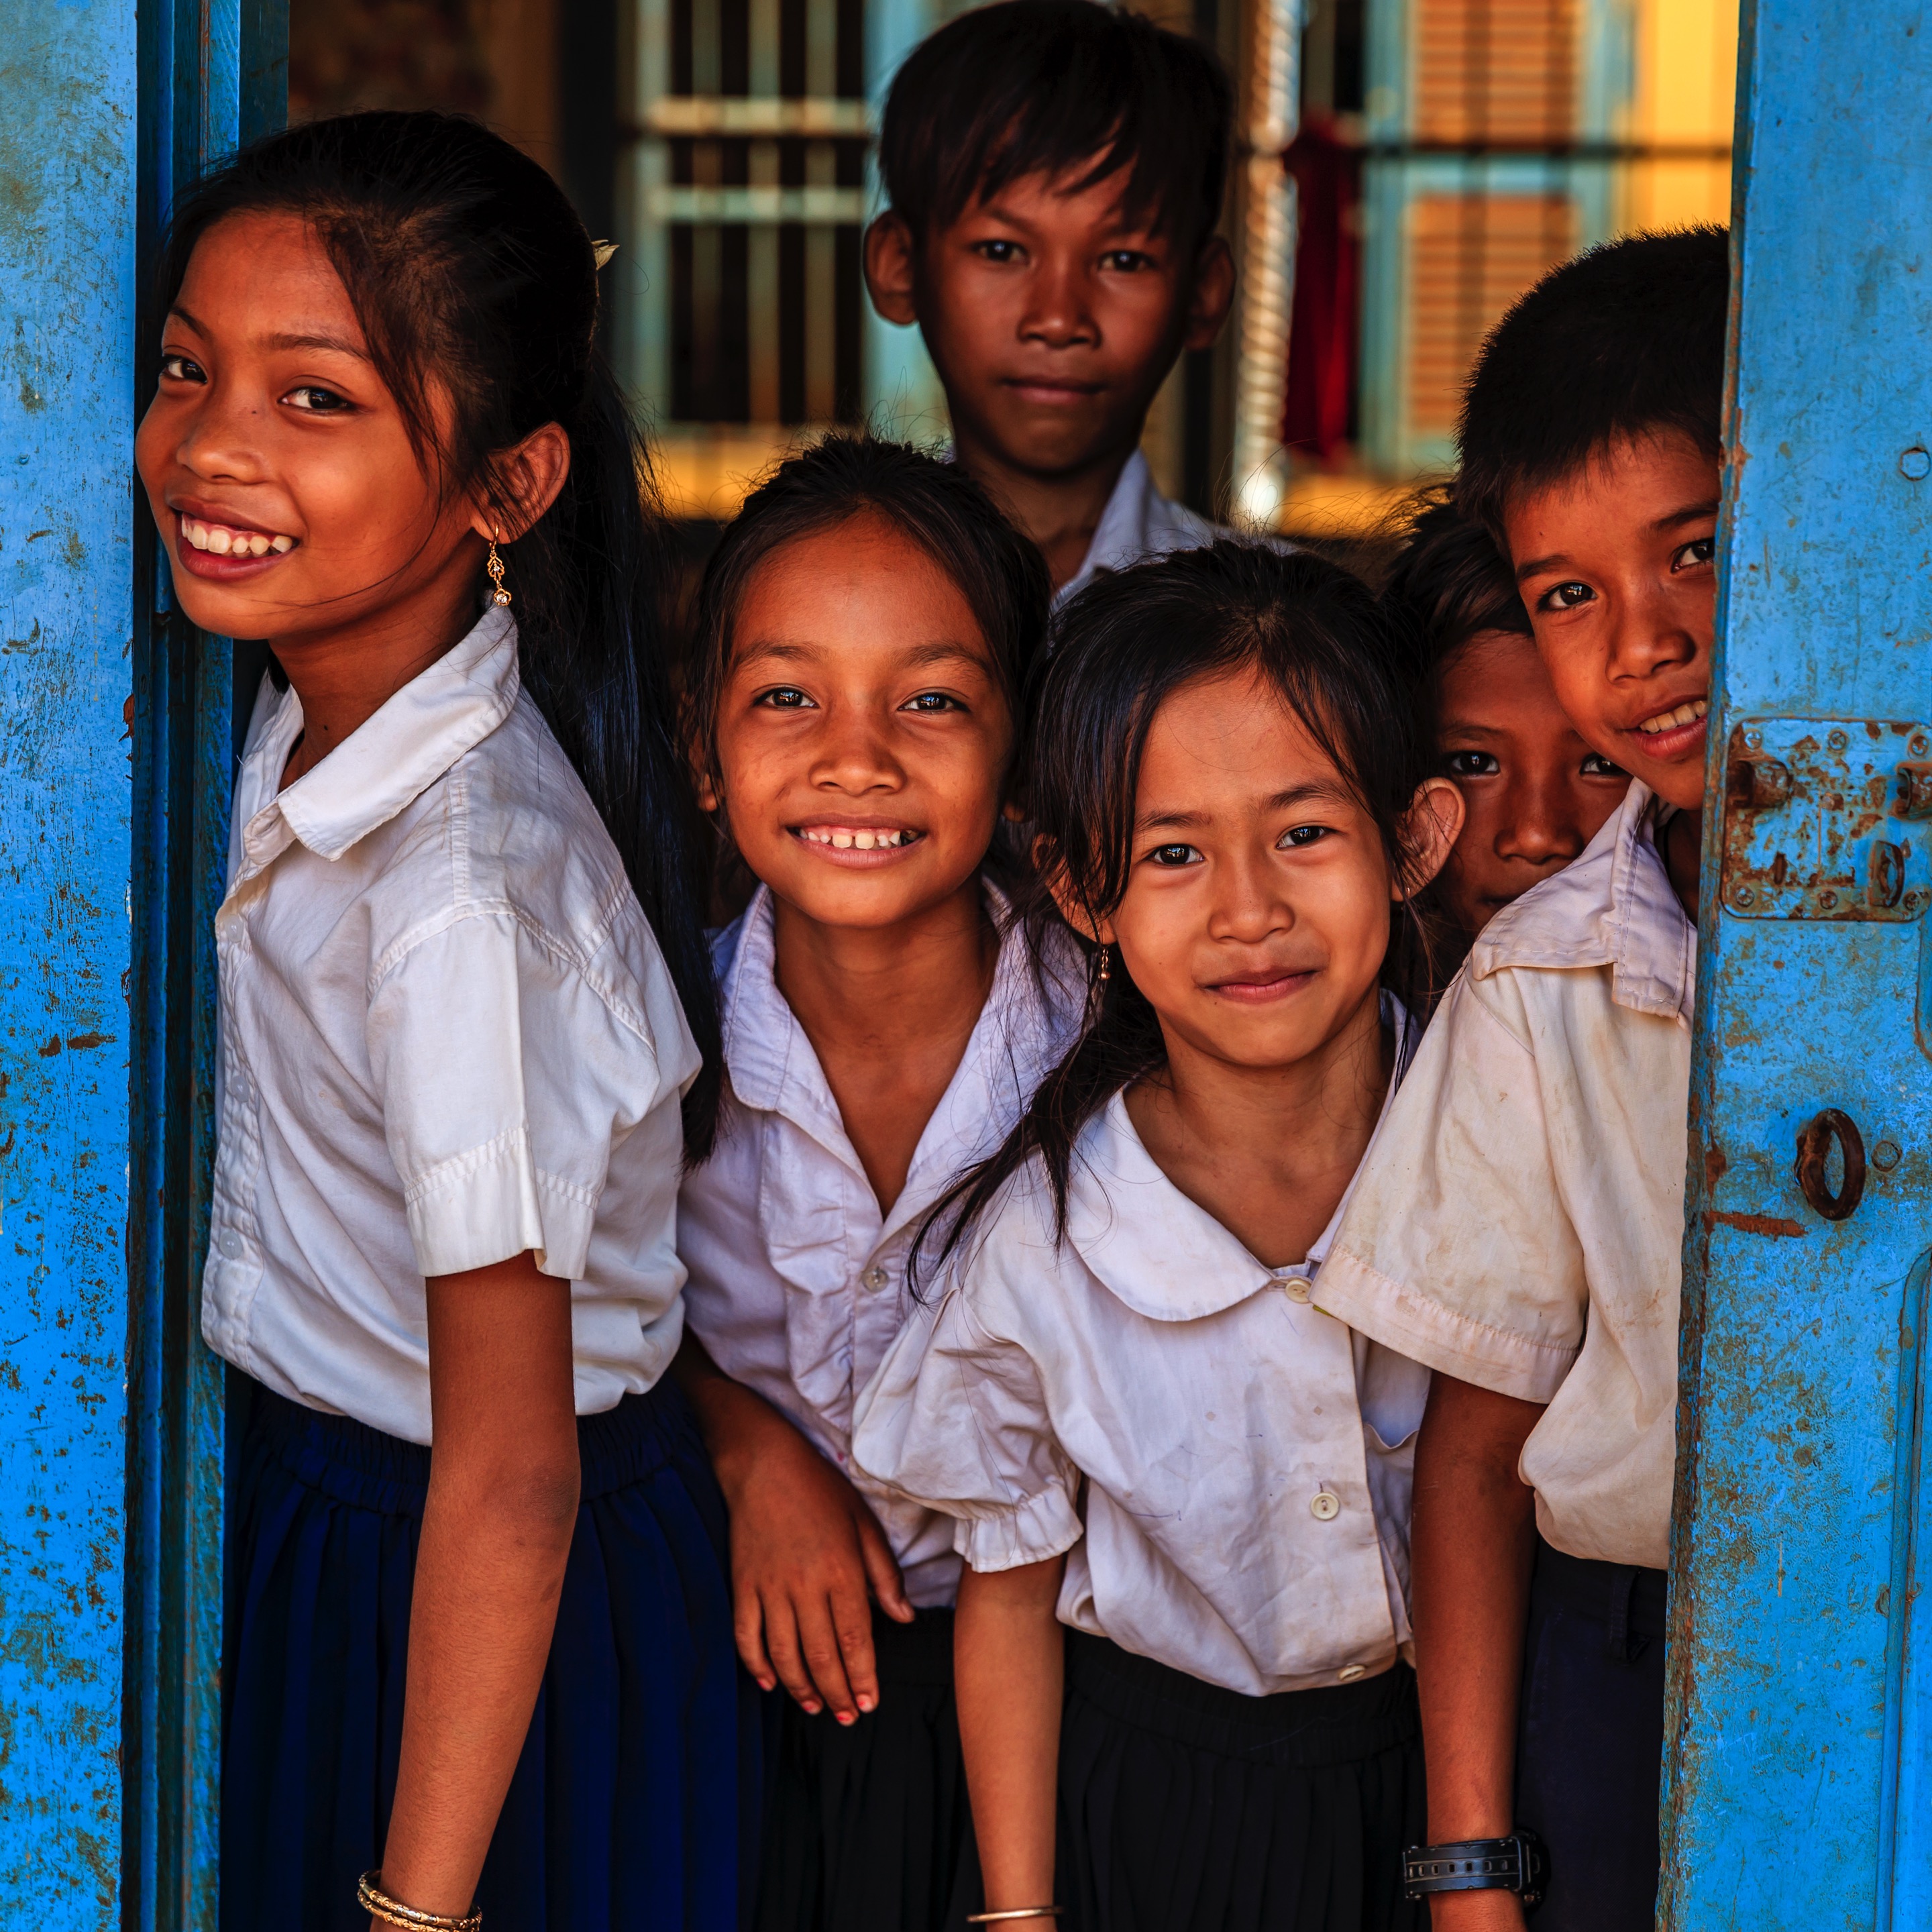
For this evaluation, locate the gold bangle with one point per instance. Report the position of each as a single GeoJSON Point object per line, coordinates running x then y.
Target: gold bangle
{"type": "Point", "coordinates": [1025, 1912]}
{"type": "Point", "coordinates": [371, 1897]}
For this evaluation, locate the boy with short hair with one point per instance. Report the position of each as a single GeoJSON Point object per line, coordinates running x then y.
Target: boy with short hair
{"type": "Point", "coordinates": [1518, 1224]}
{"type": "Point", "coordinates": [1053, 170]}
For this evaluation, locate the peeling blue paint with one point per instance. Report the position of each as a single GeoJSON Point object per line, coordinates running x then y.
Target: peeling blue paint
{"type": "Point", "coordinates": [67, 117]}
{"type": "Point", "coordinates": [1796, 1781]}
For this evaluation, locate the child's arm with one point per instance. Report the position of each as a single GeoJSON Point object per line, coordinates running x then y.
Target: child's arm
{"type": "Point", "coordinates": [503, 1492]}
{"type": "Point", "coordinates": [1471, 1542]}
{"type": "Point", "coordinates": [1009, 1655]}
{"type": "Point", "coordinates": [804, 1548]}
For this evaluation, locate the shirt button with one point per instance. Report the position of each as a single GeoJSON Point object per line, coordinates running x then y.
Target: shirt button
{"type": "Point", "coordinates": [1325, 1506]}
{"type": "Point", "coordinates": [1349, 1672]}
{"type": "Point", "coordinates": [875, 1278]}
{"type": "Point", "coordinates": [1297, 1285]}
{"type": "Point", "coordinates": [229, 1242]}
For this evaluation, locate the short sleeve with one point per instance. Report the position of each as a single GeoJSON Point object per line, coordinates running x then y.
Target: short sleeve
{"type": "Point", "coordinates": [956, 1420]}
{"type": "Point", "coordinates": [506, 1073]}
{"type": "Point", "coordinates": [1457, 1249]}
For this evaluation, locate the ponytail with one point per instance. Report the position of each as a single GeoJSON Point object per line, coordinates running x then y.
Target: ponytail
{"type": "Point", "coordinates": [589, 581]}
{"type": "Point", "coordinates": [1120, 1043]}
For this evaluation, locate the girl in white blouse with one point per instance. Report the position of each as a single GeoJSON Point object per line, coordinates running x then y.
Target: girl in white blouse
{"type": "Point", "coordinates": [866, 629]}
{"type": "Point", "coordinates": [462, 996]}
{"type": "Point", "coordinates": [1118, 1388]}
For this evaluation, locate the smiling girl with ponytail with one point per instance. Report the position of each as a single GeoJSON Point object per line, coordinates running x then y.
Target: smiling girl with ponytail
{"type": "Point", "coordinates": [479, 1640]}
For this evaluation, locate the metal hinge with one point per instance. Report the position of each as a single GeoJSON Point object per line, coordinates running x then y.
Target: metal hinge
{"type": "Point", "coordinates": [1826, 818]}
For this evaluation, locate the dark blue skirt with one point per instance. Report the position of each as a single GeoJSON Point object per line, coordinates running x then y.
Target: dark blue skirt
{"type": "Point", "coordinates": [1589, 1752]}
{"type": "Point", "coordinates": [633, 1806]}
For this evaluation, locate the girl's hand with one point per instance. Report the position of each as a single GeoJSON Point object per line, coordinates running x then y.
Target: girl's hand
{"type": "Point", "coordinates": [808, 1556]}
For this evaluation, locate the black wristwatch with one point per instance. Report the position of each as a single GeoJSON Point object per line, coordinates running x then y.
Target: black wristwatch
{"type": "Point", "coordinates": [1516, 1864]}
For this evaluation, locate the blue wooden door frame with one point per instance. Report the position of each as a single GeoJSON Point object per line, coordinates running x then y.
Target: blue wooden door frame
{"type": "Point", "coordinates": [116, 741]}
{"type": "Point", "coordinates": [1796, 1790]}
{"type": "Point", "coordinates": [213, 75]}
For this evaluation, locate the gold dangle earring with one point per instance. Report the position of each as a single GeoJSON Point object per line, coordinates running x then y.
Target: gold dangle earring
{"type": "Point", "coordinates": [495, 569]}
{"type": "Point", "coordinates": [1096, 984]}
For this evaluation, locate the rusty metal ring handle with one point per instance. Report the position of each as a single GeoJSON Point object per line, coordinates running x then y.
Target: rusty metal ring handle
{"type": "Point", "coordinates": [1814, 1146]}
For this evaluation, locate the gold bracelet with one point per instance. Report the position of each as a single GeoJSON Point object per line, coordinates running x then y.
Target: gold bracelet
{"type": "Point", "coordinates": [371, 1897]}
{"type": "Point", "coordinates": [1025, 1912]}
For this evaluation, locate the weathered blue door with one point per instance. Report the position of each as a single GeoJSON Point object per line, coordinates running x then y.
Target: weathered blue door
{"type": "Point", "coordinates": [116, 741]}
{"type": "Point", "coordinates": [1798, 1790]}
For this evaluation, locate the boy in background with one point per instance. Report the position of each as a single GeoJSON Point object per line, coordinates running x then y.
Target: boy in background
{"type": "Point", "coordinates": [1053, 170]}
{"type": "Point", "coordinates": [1518, 1222]}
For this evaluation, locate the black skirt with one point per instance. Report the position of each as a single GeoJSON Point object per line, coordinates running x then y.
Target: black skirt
{"type": "Point", "coordinates": [868, 1829]}
{"type": "Point", "coordinates": [1186, 1807]}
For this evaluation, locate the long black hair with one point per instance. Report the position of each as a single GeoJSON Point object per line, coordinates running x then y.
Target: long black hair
{"type": "Point", "coordinates": [936, 506]}
{"type": "Point", "coordinates": [472, 277]}
{"type": "Point", "coordinates": [1312, 633]}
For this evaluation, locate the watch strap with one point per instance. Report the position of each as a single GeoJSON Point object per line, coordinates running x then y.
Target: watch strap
{"type": "Point", "coordinates": [1516, 1864]}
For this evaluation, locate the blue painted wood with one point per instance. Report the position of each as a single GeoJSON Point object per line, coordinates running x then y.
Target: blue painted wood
{"type": "Point", "coordinates": [212, 74]}
{"type": "Point", "coordinates": [68, 118]}
{"type": "Point", "coordinates": [1795, 1790]}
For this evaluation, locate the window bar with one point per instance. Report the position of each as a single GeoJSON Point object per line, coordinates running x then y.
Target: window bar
{"type": "Point", "coordinates": [1267, 264]}
{"type": "Point", "coordinates": [821, 171]}
{"type": "Point", "coordinates": [761, 278]}
{"type": "Point", "coordinates": [645, 280]}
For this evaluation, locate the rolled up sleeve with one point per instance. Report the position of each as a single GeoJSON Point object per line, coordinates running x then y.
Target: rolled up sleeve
{"type": "Point", "coordinates": [956, 1419]}
{"type": "Point", "coordinates": [1457, 1249]}
{"type": "Point", "coordinates": [507, 1074]}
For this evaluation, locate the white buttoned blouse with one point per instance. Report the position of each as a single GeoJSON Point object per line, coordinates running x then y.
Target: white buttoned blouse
{"type": "Point", "coordinates": [797, 1283]}
{"type": "Point", "coordinates": [1227, 1468]}
{"type": "Point", "coordinates": [448, 1037]}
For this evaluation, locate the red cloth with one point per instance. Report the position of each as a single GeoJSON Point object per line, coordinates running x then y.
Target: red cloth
{"type": "Point", "coordinates": [1324, 331]}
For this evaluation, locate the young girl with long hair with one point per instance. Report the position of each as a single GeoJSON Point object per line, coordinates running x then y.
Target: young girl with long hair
{"type": "Point", "coordinates": [1118, 1387]}
{"type": "Point", "coordinates": [478, 1634]}
{"type": "Point", "coordinates": [866, 629]}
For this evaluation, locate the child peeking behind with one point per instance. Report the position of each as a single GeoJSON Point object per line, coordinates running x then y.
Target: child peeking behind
{"type": "Point", "coordinates": [1534, 793]}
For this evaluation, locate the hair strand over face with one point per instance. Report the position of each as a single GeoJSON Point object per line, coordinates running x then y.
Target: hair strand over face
{"type": "Point", "coordinates": [1301, 627]}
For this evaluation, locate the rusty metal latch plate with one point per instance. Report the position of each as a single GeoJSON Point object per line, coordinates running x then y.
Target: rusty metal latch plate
{"type": "Point", "coordinates": [1827, 818]}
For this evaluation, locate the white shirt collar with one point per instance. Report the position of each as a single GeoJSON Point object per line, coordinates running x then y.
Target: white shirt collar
{"type": "Point", "coordinates": [1614, 907]}
{"type": "Point", "coordinates": [1137, 523]}
{"type": "Point", "coordinates": [1196, 1267]}
{"type": "Point", "coordinates": [1017, 1037]}
{"type": "Point", "coordinates": [387, 762]}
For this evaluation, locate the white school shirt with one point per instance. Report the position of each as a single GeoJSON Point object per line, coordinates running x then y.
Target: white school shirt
{"type": "Point", "coordinates": [447, 1037]}
{"type": "Point", "coordinates": [1227, 1467]}
{"type": "Point", "coordinates": [797, 1284]}
{"type": "Point", "coordinates": [1138, 523]}
{"type": "Point", "coordinates": [1520, 1222]}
